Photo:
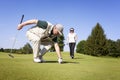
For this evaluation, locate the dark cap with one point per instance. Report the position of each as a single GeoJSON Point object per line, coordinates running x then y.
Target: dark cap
{"type": "Point", "coordinates": [71, 29]}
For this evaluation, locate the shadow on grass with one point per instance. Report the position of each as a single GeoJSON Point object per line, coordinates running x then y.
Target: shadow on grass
{"type": "Point", "coordinates": [64, 62]}
{"type": "Point", "coordinates": [78, 58]}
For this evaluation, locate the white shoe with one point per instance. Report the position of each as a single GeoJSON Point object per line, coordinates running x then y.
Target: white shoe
{"type": "Point", "coordinates": [37, 60]}
{"type": "Point", "coordinates": [60, 60]}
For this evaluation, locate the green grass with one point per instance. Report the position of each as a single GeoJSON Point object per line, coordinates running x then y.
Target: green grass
{"type": "Point", "coordinates": [83, 67]}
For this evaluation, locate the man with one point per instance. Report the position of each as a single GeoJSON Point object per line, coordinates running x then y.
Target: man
{"type": "Point", "coordinates": [43, 33]}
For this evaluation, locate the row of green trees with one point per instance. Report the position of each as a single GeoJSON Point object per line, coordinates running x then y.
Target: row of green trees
{"type": "Point", "coordinates": [27, 49]}
{"type": "Point", "coordinates": [98, 45]}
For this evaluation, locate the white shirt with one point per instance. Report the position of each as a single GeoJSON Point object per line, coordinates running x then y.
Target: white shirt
{"type": "Point", "coordinates": [71, 37]}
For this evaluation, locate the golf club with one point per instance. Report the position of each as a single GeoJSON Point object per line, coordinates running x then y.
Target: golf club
{"type": "Point", "coordinates": [10, 54]}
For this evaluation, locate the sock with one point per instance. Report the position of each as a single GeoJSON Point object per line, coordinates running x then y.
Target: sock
{"type": "Point", "coordinates": [42, 52]}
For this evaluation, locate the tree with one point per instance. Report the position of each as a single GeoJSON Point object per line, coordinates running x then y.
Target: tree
{"type": "Point", "coordinates": [113, 48]}
{"type": "Point", "coordinates": [81, 47]}
{"type": "Point", "coordinates": [27, 49]}
{"type": "Point", "coordinates": [96, 42]}
{"type": "Point", "coordinates": [61, 42]}
{"type": "Point", "coordinates": [118, 46]}
{"type": "Point", "coordinates": [1, 50]}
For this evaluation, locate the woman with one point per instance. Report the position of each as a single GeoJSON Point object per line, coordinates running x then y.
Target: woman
{"type": "Point", "coordinates": [71, 40]}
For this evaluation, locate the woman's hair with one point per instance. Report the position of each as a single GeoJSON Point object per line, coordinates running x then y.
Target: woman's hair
{"type": "Point", "coordinates": [71, 29]}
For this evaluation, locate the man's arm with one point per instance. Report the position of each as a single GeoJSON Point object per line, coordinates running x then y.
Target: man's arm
{"type": "Point", "coordinates": [33, 21]}
{"type": "Point", "coordinates": [57, 48]}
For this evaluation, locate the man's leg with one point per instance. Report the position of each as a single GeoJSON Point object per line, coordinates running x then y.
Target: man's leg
{"type": "Point", "coordinates": [36, 48]}
{"type": "Point", "coordinates": [35, 40]}
{"type": "Point", "coordinates": [47, 46]}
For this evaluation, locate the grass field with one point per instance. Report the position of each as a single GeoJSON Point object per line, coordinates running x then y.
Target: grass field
{"type": "Point", "coordinates": [83, 67]}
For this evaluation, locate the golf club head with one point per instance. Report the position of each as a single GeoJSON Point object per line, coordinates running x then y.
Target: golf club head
{"type": "Point", "coordinates": [11, 55]}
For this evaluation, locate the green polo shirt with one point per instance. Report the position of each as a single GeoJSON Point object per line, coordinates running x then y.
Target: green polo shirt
{"type": "Point", "coordinates": [42, 24]}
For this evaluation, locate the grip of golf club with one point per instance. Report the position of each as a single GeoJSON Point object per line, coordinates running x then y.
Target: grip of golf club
{"type": "Point", "coordinates": [22, 19]}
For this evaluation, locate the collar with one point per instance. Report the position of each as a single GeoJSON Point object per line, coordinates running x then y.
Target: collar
{"type": "Point", "coordinates": [51, 29]}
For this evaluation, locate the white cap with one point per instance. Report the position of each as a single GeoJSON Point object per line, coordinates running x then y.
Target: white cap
{"type": "Point", "coordinates": [59, 28]}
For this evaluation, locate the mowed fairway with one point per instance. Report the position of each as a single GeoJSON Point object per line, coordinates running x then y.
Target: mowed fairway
{"type": "Point", "coordinates": [83, 67]}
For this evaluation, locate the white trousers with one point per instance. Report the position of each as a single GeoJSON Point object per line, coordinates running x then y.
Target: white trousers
{"type": "Point", "coordinates": [36, 43]}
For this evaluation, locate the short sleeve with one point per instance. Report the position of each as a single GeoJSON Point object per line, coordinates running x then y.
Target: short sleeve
{"type": "Point", "coordinates": [42, 24]}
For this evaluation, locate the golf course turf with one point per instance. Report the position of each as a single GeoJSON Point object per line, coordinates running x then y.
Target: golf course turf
{"type": "Point", "coordinates": [83, 67]}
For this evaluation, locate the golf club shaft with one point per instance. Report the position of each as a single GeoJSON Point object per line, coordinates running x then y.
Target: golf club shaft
{"type": "Point", "coordinates": [16, 34]}
{"type": "Point", "coordinates": [15, 39]}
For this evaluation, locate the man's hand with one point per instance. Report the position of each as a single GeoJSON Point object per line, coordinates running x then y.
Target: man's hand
{"type": "Point", "coordinates": [60, 60]}
{"type": "Point", "coordinates": [19, 27]}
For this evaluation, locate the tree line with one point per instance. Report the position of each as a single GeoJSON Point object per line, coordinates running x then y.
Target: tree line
{"type": "Point", "coordinates": [27, 49]}
{"type": "Point", "coordinates": [98, 45]}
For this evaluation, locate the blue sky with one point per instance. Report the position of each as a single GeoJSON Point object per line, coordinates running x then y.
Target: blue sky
{"type": "Point", "coordinates": [79, 14]}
